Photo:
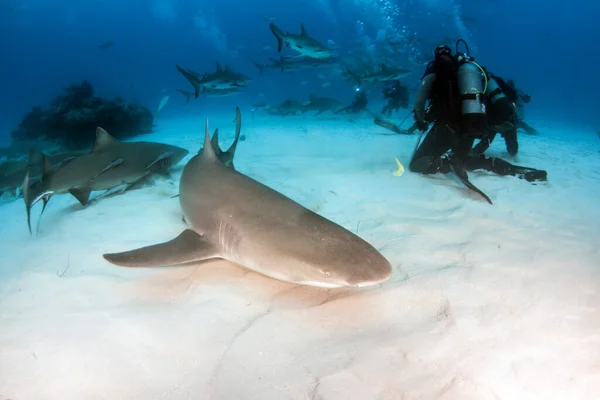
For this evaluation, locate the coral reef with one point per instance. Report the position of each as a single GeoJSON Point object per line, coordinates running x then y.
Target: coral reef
{"type": "Point", "coordinates": [72, 117]}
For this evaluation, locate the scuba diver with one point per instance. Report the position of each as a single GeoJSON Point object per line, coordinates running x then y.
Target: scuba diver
{"type": "Point", "coordinates": [502, 118]}
{"type": "Point", "coordinates": [455, 87]}
{"type": "Point", "coordinates": [520, 101]}
{"type": "Point", "coordinates": [359, 104]}
{"type": "Point", "coordinates": [397, 96]}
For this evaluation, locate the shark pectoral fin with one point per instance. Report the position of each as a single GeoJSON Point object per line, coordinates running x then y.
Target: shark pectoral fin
{"type": "Point", "coordinates": [163, 162]}
{"type": "Point", "coordinates": [113, 164]}
{"type": "Point", "coordinates": [82, 195]}
{"type": "Point", "coordinates": [187, 247]}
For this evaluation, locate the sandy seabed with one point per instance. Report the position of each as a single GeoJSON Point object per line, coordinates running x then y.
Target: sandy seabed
{"type": "Point", "coordinates": [485, 302]}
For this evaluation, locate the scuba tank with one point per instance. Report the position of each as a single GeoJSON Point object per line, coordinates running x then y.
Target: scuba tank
{"type": "Point", "coordinates": [494, 92]}
{"type": "Point", "coordinates": [472, 85]}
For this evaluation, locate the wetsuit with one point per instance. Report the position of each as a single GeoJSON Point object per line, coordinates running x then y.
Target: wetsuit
{"type": "Point", "coordinates": [452, 131]}
{"type": "Point", "coordinates": [359, 104]}
{"type": "Point", "coordinates": [397, 96]}
{"type": "Point", "coordinates": [501, 116]}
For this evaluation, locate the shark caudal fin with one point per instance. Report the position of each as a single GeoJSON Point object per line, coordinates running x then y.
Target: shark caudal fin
{"type": "Point", "coordinates": [33, 191]}
{"type": "Point", "coordinates": [279, 35]}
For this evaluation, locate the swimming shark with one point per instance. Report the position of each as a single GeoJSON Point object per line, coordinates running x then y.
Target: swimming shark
{"type": "Point", "coordinates": [111, 165]}
{"type": "Point", "coordinates": [12, 173]}
{"type": "Point", "coordinates": [221, 79]}
{"type": "Point", "coordinates": [302, 43]}
{"type": "Point", "coordinates": [386, 73]}
{"type": "Point", "coordinates": [321, 104]}
{"type": "Point", "coordinates": [298, 64]}
{"type": "Point", "coordinates": [285, 108]}
{"type": "Point", "coordinates": [234, 217]}
{"type": "Point", "coordinates": [209, 93]}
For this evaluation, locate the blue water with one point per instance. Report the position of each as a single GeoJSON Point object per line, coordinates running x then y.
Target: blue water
{"type": "Point", "coordinates": [549, 48]}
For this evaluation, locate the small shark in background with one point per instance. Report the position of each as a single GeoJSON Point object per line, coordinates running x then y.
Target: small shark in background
{"type": "Point", "coordinates": [12, 173]}
{"type": "Point", "coordinates": [385, 74]}
{"type": "Point", "coordinates": [111, 165]}
{"type": "Point", "coordinates": [298, 64]}
{"type": "Point", "coordinates": [106, 45]}
{"type": "Point", "coordinates": [302, 43]}
{"type": "Point", "coordinates": [209, 93]}
{"type": "Point", "coordinates": [321, 104]}
{"type": "Point", "coordinates": [285, 108]}
{"type": "Point", "coordinates": [221, 79]}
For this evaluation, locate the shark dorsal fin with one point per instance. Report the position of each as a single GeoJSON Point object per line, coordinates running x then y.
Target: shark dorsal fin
{"type": "Point", "coordinates": [227, 69]}
{"type": "Point", "coordinates": [219, 68]}
{"type": "Point", "coordinates": [303, 31]}
{"type": "Point", "coordinates": [103, 140]}
{"type": "Point", "coordinates": [238, 129]}
{"type": "Point", "coordinates": [209, 152]}
{"type": "Point", "coordinates": [215, 140]}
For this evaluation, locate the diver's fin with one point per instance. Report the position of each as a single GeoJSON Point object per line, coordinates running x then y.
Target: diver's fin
{"type": "Point", "coordinates": [461, 173]}
{"type": "Point", "coordinates": [82, 195]}
{"type": "Point", "coordinates": [187, 247]}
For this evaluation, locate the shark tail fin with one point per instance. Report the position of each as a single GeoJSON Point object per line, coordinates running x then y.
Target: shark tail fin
{"type": "Point", "coordinates": [37, 164]}
{"type": "Point", "coordinates": [238, 130]}
{"type": "Point", "coordinates": [261, 68]}
{"type": "Point", "coordinates": [355, 76]}
{"type": "Point", "coordinates": [191, 78]}
{"type": "Point", "coordinates": [279, 35]}
{"type": "Point", "coordinates": [186, 94]}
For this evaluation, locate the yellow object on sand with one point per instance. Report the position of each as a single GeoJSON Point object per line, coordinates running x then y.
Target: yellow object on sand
{"type": "Point", "coordinates": [400, 169]}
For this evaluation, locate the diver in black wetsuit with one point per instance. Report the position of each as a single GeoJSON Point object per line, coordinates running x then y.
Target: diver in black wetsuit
{"type": "Point", "coordinates": [521, 100]}
{"type": "Point", "coordinates": [397, 96]}
{"type": "Point", "coordinates": [501, 116]}
{"type": "Point", "coordinates": [359, 104]}
{"type": "Point", "coordinates": [455, 86]}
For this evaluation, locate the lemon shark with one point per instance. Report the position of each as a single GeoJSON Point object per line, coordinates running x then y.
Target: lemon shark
{"type": "Point", "coordinates": [234, 217]}
{"type": "Point", "coordinates": [112, 165]}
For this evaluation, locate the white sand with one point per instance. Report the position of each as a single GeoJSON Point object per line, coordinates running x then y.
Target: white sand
{"type": "Point", "coordinates": [486, 302]}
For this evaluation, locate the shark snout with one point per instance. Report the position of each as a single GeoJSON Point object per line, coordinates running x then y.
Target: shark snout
{"type": "Point", "coordinates": [371, 271]}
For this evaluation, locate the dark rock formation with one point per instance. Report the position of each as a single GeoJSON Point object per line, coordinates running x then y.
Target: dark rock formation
{"type": "Point", "coordinates": [71, 118]}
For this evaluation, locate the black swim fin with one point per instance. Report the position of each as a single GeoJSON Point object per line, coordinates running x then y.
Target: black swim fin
{"type": "Point", "coordinates": [461, 173]}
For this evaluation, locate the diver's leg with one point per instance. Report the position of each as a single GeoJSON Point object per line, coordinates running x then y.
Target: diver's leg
{"type": "Point", "coordinates": [484, 143]}
{"type": "Point", "coordinates": [427, 158]}
{"type": "Point", "coordinates": [512, 145]}
{"type": "Point", "coordinates": [501, 167]}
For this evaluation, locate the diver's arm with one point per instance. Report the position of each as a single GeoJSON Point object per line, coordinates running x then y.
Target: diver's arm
{"type": "Point", "coordinates": [422, 96]}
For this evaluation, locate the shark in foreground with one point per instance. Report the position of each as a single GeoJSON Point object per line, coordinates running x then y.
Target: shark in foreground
{"type": "Point", "coordinates": [111, 165]}
{"type": "Point", "coordinates": [236, 218]}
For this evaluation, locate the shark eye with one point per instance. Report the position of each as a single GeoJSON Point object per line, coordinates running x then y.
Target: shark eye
{"type": "Point", "coordinates": [327, 273]}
